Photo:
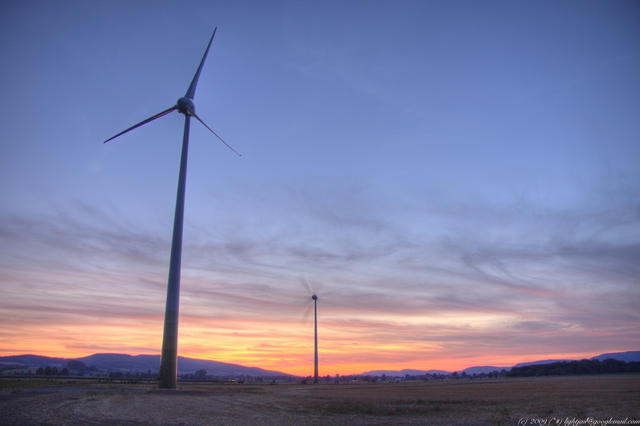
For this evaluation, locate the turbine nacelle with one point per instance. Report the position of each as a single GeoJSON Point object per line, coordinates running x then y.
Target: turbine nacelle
{"type": "Point", "coordinates": [186, 106]}
{"type": "Point", "coordinates": [314, 297]}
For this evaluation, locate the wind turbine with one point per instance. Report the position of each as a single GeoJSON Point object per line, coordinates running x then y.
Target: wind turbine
{"type": "Point", "coordinates": [314, 297]}
{"type": "Point", "coordinates": [315, 335]}
{"type": "Point", "coordinates": [169, 363]}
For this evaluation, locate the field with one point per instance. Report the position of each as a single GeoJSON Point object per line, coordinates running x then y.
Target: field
{"type": "Point", "coordinates": [554, 400]}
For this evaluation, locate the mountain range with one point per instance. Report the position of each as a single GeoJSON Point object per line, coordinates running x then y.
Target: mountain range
{"type": "Point", "coordinates": [629, 356]}
{"type": "Point", "coordinates": [143, 363]}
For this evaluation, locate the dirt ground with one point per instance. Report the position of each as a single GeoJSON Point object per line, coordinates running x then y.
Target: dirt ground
{"type": "Point", "coordinates": [548, 400]}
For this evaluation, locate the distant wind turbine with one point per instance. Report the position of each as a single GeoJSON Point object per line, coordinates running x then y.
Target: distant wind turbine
{"type": "Point", "coordinates": [169, 362]}
{"type": "Point", "coordinates": [314, 297]}
{"type": "Point", "coordinates": [315, 338]}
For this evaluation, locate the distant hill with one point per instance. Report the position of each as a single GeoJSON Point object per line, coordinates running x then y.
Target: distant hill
{"type": "Point", "coordinates": [34, 361]}
{"type": "Point", "coordinates": [484, 370]}
{"type": "Point", "coordinates": [142, 363]}
{"type": "Point", "coordinates": [629, 356]}
{"type": "Point", "coordinates": [441, 372]}
{"type": "Point", "coordinates": [544, 361]}
{"type": "Point", "coordinates": [402, 373]}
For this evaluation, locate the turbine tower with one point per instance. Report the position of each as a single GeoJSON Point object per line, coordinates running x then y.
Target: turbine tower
{"type": "Point", "coordinates": [315, 335]}
{"type": "Point", "coordinates": [169, 363]}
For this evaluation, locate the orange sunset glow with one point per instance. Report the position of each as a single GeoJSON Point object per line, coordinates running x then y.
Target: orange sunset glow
{"type": "Point", "coordinates": [273, 329]}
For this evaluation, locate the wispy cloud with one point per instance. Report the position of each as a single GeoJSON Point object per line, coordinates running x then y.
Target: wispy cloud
{"type": "Point", "coordinates": [518, 278]}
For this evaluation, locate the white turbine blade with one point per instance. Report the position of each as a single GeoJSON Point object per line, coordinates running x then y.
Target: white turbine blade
{"type": "Point", "coordinates": [160, 114]}
{"type": "Point", "coordinates": [223, 141]}
{"type": "Point", "coordinates": [305, 284]}
{"type": "Point", "coordinates": [307, 313]}
{"type": "Point", "coordinates": [191, 91]}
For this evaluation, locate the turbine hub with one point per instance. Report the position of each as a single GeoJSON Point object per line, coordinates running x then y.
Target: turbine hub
{"type": "Point", "coordinates": [186, 106]}
{"type": "Point", "coordinates": [314, 297]}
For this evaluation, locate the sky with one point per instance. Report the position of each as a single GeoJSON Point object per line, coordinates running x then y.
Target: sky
{"type": "Point", "coordinates": [457, 181]}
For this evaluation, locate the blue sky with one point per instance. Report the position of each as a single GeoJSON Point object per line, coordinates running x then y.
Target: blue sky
{"type": "Point", "coordinates": [448, 173]}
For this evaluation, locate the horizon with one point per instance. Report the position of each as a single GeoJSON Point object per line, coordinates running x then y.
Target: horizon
{"type": "Point", "coordinates": [458, 182]}
{"type": "Point", "coordinates": [497, 365]}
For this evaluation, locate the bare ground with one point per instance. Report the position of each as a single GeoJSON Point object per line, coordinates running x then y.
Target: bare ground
{"type": "Point", "coordinates": [503, 401]}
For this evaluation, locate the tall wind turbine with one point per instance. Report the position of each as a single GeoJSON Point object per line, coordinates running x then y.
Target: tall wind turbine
{"type": "Point", "coordinates": [169, 362]}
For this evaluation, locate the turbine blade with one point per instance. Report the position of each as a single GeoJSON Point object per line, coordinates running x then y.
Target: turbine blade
{"type": "Point", "coordinates": [223, 141]}
{"type": "Point", "coordinates": [165, 112]}
{"type": "Point", "coordinates": [307, 313]}
{"type": "Point", "coordinates": [306, 285]}
{"type": "Point", "coordinates": [191, 91]}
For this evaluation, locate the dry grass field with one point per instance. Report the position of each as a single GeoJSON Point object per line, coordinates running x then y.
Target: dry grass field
{"type": "Point", "coordinates": [553, 400]}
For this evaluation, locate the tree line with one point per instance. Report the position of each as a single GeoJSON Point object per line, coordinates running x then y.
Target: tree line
{"type": "Point", "coordinates": [585, 366]}
{"type": "Point", "coordinates": [73, 367]}
{"type": "Point", "coordinates": [52, 371]}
